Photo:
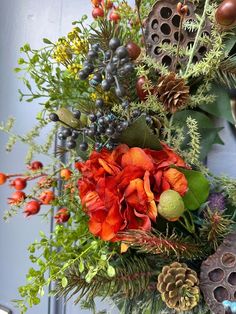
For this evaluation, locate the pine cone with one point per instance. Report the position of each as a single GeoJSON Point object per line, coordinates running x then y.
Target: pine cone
{"type": "Point", "coordinates": [178, 286]}
{"type": "Point", "coordinates": [172, 92]}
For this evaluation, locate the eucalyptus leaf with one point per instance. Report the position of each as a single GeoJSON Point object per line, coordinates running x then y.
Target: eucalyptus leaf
{"type": "Point", "coordinates": [198, 189]}
{"type": "Point", "coordinates": [140, 135]}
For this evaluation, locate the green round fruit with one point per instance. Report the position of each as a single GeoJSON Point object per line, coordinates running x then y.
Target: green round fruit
{"type": "Point", "coordinates": [171, 205]}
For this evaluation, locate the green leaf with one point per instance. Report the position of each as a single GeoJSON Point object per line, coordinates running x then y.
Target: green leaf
{"type": "Point", "coordinates": [198, 189]}
{"type": "Point", "coordinates": [81, 266]}
{"type": "Point", "coordinates": [140, 135]}
{"type": "Point", "coordinates": [209, 133]}
{"type": "Point", "coordinates": [221, 107]}
{"type": "Point", "coordinates": [111, 271]}
{"type": "Point", "coordinates": [47, 41]}
{"type": "Point", "coordinates": [64, 282]}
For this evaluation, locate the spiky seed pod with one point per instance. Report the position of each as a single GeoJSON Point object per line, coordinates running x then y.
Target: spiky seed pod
{"type": "Point", "coordinates": [178, 286]}
{"type": "Point", "coordinates": [172, 92]}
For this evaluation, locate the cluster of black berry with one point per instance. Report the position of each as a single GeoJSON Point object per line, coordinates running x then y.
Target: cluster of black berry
{"type": "Point", "coordinates": [108, 67]}
{"type": "Point", "coordinates": [69, 133]}
{"type": "Point", "coordinates": [103, 128]}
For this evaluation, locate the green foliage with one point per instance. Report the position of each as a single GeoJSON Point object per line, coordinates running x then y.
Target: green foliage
{"type": "Point", "coordinates": [215, 228]}
{"type": "Point", "coordinates": [139, 134]}
{"type": "Point", "coordinates": [221, 106]}
{"type": "Point", "coordinates": [172, 246]}
{"type": "Point", "coordinates": [194, 140]}
{"type": "Point", "coordinates": [198, 189]}
{"type": "Point", "coordinates": [208, 134]}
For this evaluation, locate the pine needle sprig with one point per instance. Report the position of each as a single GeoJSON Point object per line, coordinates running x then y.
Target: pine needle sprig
{"type": "Point", "coordinates": [104, 32]}
{"type": "Point", "coordinates": [226, 74]}
{"type": "Point", "coordinates": [167, 246]}
{"type": "Point", "coordinates": [132, 278]}
{"type": "Point", "coordinates": [215, 228]}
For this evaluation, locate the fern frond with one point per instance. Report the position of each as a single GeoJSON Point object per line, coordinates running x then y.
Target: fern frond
{"type": "Point", "coordinates": [167, 246]}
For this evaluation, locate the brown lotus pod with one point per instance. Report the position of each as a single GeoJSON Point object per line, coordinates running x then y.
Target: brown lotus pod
{"type": "Point", "coordinates": [218, 276]}
{"type": "Point", "coordinates": [162, 26]}
{"type": "Point", "coordinates": [178, 286]}
{"type": "Point", "coordinates": [172, 92]}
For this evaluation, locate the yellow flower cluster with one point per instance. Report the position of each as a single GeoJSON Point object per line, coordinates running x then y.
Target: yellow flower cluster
{"type": "Point", "coordinates": [74, 68]}
{"type": "Point", "coordinates": [95, 96]}
{"type": "Point", "coordinates": [62, 51]}
{"type": "Point", "coordinates": [65, 48]}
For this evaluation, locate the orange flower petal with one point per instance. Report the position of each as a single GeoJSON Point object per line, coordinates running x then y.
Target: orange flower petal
{"type": "Point", "coordinates": [107, 232]}
{"type": "Point", "coordinates": [94, 227]}
{"type": "Point", "coordinates": [137, 157]}
{"type": "Point", "coordinates": [152, 208]}
{"type": "Point", "coordinates": [177, 180]}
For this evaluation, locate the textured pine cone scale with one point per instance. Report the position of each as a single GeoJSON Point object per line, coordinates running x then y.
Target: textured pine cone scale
{"type": "Point", "coordinates": [178, 286]}
{"type": "Point", "coordinates": [172, 92]}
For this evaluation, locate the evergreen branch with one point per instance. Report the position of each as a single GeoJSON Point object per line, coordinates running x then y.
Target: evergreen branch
{"type": "Point", "coordinates": [132, 278]}
{"type": "Point", "coordinates": [215, 228]}
{"type": "Point", "coordinates": [226, 74]}
{"type": "Point", "coordinates": [156, 243]}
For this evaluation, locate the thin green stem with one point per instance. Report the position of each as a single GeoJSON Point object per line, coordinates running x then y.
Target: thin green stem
{"type": "Point", "coordinates": [202, 21]}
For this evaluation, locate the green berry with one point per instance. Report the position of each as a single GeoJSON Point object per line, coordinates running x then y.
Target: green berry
{"type": "Point", "coordinates": [171, 205]}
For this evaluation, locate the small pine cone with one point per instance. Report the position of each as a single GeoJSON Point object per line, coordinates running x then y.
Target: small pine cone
{"type": "Point", "coordinates": [178, 286]}
{"type": "Point", "coordinates": [172, 92]}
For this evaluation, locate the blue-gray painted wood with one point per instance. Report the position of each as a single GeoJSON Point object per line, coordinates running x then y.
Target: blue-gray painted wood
{"type": "Point", "coordinates": [29, 21]}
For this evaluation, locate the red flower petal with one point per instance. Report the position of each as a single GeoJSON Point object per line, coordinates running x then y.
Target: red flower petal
{"type": "Point", "coordinates": [137, 157]}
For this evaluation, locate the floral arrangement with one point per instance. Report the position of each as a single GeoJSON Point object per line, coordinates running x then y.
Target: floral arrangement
{"type": "Point", "coordinates": [131, 101]}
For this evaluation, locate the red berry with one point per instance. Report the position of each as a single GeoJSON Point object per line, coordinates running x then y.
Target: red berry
{"type": "Point", "coordinates": [32, 208]}
{"type": "Point", "coordinates": [19, 183]}
{"type": "Point", "coordinates": [65, 174]}
{"type": "Point", "coordinates": [47, 197]}
{"type": "Point", "coordinates": [141, 92]}
{"type": "Point", "coordinates": [3, 178]}
{"type": "Point", "coordinates": [97, 12]}
{"type": "Point", "coordinates": [226, 13]}
{"type": "Point", "coordinates": [62, 215]}
{"type": "Point", "coordinates": [35, 165]}
{"type": "Point", "coordinates": [134, 50]}
{"type": "Point", "coordinates": [16, 198]}
{"type": "Point", "coordinates": [114, 16]}
{"type": "Point", "coordinates": [108, 4]}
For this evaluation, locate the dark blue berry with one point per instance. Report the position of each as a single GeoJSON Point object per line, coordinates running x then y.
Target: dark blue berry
{"type": "Point", "coordinates": [75, 135]}
{"type": "Point", "coordinates": [54, 117]}
{"type": "Point", "coordinates": [71, 144]}
{"type": "Point", "coordinates": [149, 120]}
{"type": "Point", "coordinates": [83, 75]}
{"type": "Point", "coordinates": [136, 113]}
{"type": "Point", "coordinates": [110, 131]}
{"type": "Point", "coordinates": [110, 78]}
{"type": "Point", "coordinates": [61, 136]}
{"type": "Point", "coordinates": [111, 68]}
{"type": "Point", "coordinates": [77, 114]}
{"type": "Point", "coordinates": [95, 47]}
{"type": "Point", "coordinates": [125, 124]}
{"type": "Point", "coordinates": [122, 52]}
{"type": "Point", "coordinates": [83, 146]}
{"type": "Point", "coordinates": [99, 103]}
{"type": "Point", "coordinates": [128, 67]}
{"type": "Point", "coordinates": [107, 55]}
{"type": "Point", "coordinates": [125, 104]}
{"type": "Point", "coordinates": [114, 43]}
{"type": "Point", "coordinates": [92, 117]}
{"type": "Point", "coordinates": [105, 85]}
{"type": "Point", "coordinates": [67, 132]}
{"type": "Point", "coordinates": [92, 55]}
{"type": "Point", "coordinates": [88, 69]}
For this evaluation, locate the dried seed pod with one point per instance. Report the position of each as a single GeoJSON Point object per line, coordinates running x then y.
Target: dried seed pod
{"type": "Point", "coordinates": [162, 26]}
{"type": "Point", "coordinates": [218, 276]}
